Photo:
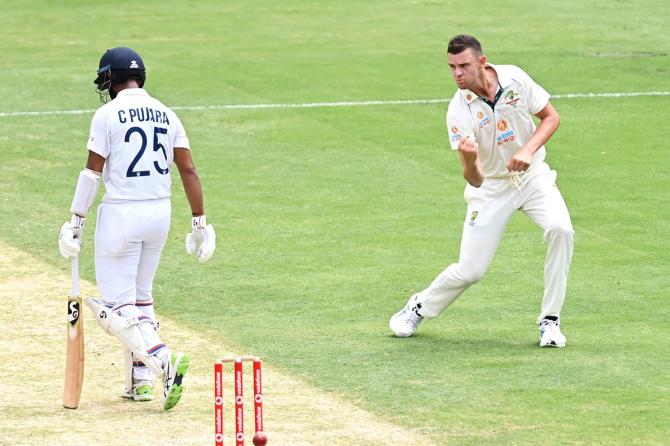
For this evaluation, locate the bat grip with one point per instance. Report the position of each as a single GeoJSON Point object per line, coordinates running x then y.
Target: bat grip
{"type": "Point", "coordinates": [75, 276]}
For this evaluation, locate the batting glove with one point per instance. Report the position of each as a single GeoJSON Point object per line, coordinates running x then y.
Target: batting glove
{"type": "Point", "coordinates": [69, 239]}
{"type": "Point", "coordinates": [201, 242]}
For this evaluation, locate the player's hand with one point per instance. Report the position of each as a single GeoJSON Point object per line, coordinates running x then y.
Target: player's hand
{"type": "Point", "coordinates": [69, 239]}
{"type": "Point", "coordinates": [469, 149]}
{"type": "Point", "coordinates": [520, 162]}
{"type": "Point", "coordinates": [201, 242]}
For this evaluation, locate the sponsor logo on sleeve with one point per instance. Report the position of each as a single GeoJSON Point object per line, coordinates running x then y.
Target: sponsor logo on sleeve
{"type": "Point", "coordinates": [456, 135]}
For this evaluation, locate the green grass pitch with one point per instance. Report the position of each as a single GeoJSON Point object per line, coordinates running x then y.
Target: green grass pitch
{"type": "Point", "coordinates": [329, 218]}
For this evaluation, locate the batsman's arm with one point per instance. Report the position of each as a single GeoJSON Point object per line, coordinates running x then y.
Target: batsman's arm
{"type": "Point", "coordinates": [201, 242]}
{"type": "Point", "coordinates": [95, 162]}
{"type": "Point", "coordinates": [88, 183]}
{"type": "Point", "coordinates": [190, 180]}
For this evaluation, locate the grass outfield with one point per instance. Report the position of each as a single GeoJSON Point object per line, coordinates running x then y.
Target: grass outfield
{"type": "Point", "coordinates": [329, 218]}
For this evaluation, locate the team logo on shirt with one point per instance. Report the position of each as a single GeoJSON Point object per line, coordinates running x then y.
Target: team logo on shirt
{"type": "Point", "coordinates": [502, 125]}
{"type": "Point", "coordinates": [474, 215]}
{"type": "Point", "coordinates": [511, 98]}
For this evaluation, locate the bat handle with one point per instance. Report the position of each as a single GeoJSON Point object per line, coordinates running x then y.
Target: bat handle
{"type": "Point", "coordinates": [75, 276]}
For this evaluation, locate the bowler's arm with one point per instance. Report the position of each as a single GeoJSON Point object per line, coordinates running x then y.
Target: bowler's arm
{"type": "Point", "coordinates": [472, 166]}
{"type": "Point", "coordinates": [549, 122]}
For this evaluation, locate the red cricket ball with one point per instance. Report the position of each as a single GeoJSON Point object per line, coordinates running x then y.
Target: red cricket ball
{"type": "Point", "coordinates": [260, 439]}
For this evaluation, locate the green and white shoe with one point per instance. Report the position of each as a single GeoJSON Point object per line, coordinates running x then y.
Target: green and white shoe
{"type": "Point", "coordinates": [173, 374]}
{"type": "Point", "coordinates": [141, 392]}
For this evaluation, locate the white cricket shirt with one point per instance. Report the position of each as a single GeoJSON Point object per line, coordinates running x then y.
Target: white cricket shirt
{"type": "Point", "coordinates": [136, 134]}
{"type": "Point", "coordinates": [503, 129]}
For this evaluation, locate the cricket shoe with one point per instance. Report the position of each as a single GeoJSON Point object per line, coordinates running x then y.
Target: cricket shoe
{"type": "Point", "coordinates": [405, 322]}
{"type": "Point", "coordinates": [550, 332]}
{"type": "Point", "coordinates": [173, 373]}
{"type": "Point", "coordinates": [139, 392]}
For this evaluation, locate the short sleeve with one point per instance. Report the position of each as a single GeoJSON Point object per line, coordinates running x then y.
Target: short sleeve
{"type": "Point", "coordinates": [180, 138]}
{"type": "Point", "coordinates": [538, 98]}
{"type": "Point", "coordinates": [98, 139]}
{"type": "Point", "coordinates": [458, 128]}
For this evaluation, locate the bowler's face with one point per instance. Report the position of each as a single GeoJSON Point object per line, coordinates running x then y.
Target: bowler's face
{"type": "Point", "coordinates": [466, 67]}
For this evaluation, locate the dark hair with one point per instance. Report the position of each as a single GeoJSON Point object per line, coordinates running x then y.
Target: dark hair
{"type": "Point", "coordinates": [462, 42]}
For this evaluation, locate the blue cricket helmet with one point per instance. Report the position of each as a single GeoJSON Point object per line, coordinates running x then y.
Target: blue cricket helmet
{"type": "Point", "coordinates": [118, 65]}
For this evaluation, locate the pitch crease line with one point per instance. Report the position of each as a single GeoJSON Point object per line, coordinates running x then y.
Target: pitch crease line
{"type": "Point", "coordinates": [332, 104]}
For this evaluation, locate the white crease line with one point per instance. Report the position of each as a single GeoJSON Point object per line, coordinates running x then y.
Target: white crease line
{"type": "Point", "coordinates": [332, 104]}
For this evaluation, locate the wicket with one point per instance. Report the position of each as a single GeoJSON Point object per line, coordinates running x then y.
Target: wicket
{"type": "Point", "coordinates": [259, 438]}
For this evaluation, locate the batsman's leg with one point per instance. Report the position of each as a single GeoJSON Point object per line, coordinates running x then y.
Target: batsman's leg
{"type": "Point", "coordinates": [138, 378]}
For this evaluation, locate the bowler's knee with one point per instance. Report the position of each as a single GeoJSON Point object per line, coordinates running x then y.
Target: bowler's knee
{"type": "Point", "coordinates": [472, 274]}
{"type": "Point", "coordinates": [559, 231]}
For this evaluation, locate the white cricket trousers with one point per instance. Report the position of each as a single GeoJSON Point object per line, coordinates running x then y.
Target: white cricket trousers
{"type": "Point", "coordinates": [490, 208]}
{"type": "Point", "coordinates": [129, 238]}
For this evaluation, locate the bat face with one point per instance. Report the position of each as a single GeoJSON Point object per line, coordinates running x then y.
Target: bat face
{"type": "Point", "coordinates": [74, 360]}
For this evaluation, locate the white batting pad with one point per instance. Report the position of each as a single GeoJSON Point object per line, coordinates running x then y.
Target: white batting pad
{"type": "Point", "coordinates": [127, 330]}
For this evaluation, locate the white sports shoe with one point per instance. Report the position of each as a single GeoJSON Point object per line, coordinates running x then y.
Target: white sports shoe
{"type": "Point", "coordinates": [550, 333]}
{"type": "Point", "coordinates": [405, 322]}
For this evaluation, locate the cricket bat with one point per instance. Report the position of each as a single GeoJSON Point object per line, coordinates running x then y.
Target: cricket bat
{"type": "Point", "coordinates": [74, 360]}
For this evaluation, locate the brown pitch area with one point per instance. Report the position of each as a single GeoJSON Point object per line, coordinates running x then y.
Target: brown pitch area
{"type": "Point", "coordinates": [33, 326]}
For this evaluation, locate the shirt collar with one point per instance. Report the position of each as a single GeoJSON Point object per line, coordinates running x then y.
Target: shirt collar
{"type": "Point", "coordinates": [503, 79]}
{"type": "Point", "coordinates": [132, 91]}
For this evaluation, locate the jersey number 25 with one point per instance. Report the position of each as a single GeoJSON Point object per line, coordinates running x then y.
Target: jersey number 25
{"type": "Point", "coordinates": [131, 172]}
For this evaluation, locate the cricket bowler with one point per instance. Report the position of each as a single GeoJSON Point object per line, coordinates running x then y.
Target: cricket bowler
{"type": "Point", "coordinates": [490, 124]}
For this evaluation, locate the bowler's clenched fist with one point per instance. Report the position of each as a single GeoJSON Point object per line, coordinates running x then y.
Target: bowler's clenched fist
{"type": "Point", "coordinates": [520, 162]}
{"type": "Point", "coordinates": [468, 148]}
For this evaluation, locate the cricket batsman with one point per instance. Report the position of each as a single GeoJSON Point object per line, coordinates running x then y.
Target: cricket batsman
{"type": "Point", "coordinates": [133, 143]}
